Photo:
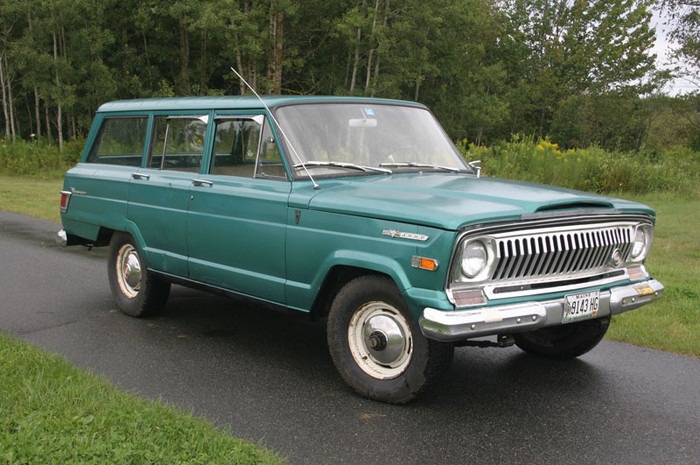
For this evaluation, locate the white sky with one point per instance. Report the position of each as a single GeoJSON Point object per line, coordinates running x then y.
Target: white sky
{"type": "Point", "coordinates": [662, 49]}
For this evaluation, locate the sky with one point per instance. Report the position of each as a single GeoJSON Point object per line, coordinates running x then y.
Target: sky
{"type": "Point", "coordinates": [663, 49]}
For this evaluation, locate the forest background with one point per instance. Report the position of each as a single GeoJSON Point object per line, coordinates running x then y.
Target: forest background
{"type": "Point", "coordinates": [562, 75]}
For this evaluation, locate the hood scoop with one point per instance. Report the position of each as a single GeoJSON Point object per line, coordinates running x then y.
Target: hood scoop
{"type": "Point", "coordinates": [586, 206]}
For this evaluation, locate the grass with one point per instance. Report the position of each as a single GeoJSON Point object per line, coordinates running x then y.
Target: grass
{"type": "Point", "coordinates": [31, 196]}
{"type": "Point", "coordinates": [673, 323]}
{"type": "Point", "coordinates": [52, 412]}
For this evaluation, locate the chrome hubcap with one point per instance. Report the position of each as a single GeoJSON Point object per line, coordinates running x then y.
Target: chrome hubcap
{"type": "Point", "coordinates": [129, 271]}
{"type": "Point", "coordinates": [380, 340]}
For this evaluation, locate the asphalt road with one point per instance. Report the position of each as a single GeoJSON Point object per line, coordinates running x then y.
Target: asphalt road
{"type": "Point", "coordinates": [268, 377]}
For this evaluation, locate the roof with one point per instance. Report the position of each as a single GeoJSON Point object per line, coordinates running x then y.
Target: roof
{"type": "Point", "coordinates": [246, 102]}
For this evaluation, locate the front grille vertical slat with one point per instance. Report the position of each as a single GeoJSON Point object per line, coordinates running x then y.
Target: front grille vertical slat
{"type": "Point", "coordinates": [542, 259]}
{"type": "Point", "coordinates": [600, 250]}
{"type": "Point", "coordinates": [583, 251]}
{"type": "Point", "coordinates": [554, 253]}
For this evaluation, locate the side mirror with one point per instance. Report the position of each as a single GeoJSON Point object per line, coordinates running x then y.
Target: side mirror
{"type": "Point", "coordinates": [476, 166]}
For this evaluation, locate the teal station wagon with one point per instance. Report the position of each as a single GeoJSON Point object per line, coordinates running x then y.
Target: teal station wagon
{"type": "Point", "coordinates": [360, 211]}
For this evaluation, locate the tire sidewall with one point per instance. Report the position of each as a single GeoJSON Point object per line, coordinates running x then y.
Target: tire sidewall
{"type": "Point", "coordinates": [566, 341]}
{"type": "Point", "coordinates": [151, 294]}
{"type": "Point", "coordinates": [349, 300]}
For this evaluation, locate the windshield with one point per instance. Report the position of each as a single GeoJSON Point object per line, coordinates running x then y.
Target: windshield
{"type": "Point", "coordinates": [365, 137]}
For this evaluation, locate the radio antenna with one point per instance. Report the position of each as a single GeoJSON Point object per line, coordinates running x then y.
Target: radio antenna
{"type": "Point", "coordinates": [284, 135]}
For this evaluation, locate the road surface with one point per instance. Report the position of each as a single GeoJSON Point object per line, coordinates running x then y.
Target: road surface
{"type": "Point", "coordinates": [268, 377]}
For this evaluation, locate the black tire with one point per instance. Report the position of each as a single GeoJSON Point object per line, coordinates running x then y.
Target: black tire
{"type": "Point", "coordinates": [377, 345]}
{"type": "Point", "coordinates": [137, 291]}
{"type": "Point", "coordinates": [565, 341]}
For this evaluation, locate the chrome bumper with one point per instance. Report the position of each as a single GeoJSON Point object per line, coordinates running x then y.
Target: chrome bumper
{"type": "Point", "coordinates": [62, 237]}
{"type": "Point", "coordinates": [505, 319]}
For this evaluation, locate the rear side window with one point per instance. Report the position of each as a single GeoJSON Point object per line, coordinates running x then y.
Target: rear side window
{"type": "Point", "coordinates": [178, 143]}
{"type": "Point", "coordinates": [120, 141]}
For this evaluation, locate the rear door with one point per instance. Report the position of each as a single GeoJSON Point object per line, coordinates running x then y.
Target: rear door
{"type": "Point", "coordinates": [159, 193]}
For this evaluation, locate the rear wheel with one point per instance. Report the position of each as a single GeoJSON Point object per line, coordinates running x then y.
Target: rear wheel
{"type": "Point", "coordinates": [565, 341]}
{"type": "Point", "coordinates": [377, 345]}
{"type": "Point", "coordinates": [137, 291]}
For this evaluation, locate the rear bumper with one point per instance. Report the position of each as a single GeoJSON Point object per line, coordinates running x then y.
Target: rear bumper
{"type": "Point", "coordinates": [506, 319]}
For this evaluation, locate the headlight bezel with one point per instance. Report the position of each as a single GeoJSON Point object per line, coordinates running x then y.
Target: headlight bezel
{"type": "Point", "coordinates": [480, 253]}
{"type": "Point", "coordinates": [642, 241]}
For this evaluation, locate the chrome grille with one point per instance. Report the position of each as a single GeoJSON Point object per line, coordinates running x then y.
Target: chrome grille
{"type": "Point", "coordinates": [552, 253]}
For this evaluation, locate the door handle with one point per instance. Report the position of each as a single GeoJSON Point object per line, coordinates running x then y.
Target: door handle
{"type": "Point", "coordinates": [202, 183]}
{"type": "Point", "coordinates": [144, 177]}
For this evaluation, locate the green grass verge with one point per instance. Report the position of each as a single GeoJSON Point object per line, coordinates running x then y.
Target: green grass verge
{"type": "Point", "coordinates": [673, 323]}
{"type": "Point", "coordinates": [31, 196]}
{"type": "Point", "coordinates": [51, 412]}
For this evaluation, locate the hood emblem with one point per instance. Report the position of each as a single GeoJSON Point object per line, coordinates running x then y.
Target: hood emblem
{"type": "Point", "coordinates": [405, 235]}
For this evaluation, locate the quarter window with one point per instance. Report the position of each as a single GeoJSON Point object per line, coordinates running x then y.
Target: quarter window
{"type": "Point", "coordinates": [120, 142]}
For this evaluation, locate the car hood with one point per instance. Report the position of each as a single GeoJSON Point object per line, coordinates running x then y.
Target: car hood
{"type": "Point", "coordinates": [451, 201]}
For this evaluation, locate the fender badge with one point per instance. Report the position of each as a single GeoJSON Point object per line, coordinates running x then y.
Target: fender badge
{"type": "Point", "coordinates": [405, 235]}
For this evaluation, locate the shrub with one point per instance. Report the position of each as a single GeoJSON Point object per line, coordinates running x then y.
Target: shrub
{"type": "Point", "coordinates": [592, 169]}
{"type": "Point", "coordinates": [38, 158]}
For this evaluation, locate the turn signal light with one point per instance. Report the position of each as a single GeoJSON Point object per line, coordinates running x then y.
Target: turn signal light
{"type": "Point", "coordinates": [424, 263]}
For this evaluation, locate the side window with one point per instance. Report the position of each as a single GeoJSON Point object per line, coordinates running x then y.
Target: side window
{"type": "Point", "coordinates": [236, 146]}
{"type": "Point", "coordinates": [178, 143]}
{"type": "Point", "coordinates": [120, 142]}
{"type": "Point", "coordinates": [270, 160]}
{"type": "Point", "coordinates": [245, 147]}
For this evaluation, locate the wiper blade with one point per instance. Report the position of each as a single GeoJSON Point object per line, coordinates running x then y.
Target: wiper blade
{"type": "Point", "coordinates": [413, 164]}
{"type": "Point", "coordinates": [338, 164]}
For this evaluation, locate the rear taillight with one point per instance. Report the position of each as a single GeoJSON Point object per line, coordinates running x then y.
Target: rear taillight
{"type": "Point", "coordinates": [65, 199]}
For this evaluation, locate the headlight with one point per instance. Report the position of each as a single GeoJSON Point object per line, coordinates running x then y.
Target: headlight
{"type": "Point", "coordinates": [476, 260]}
{"type": "Point", "coordinates": [643, 237]}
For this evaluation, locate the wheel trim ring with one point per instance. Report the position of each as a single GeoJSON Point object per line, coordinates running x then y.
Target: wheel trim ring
{"type": "Point", "coordinates": [129, 271]}
{"type": "Point", "coordinates": [380, 317]}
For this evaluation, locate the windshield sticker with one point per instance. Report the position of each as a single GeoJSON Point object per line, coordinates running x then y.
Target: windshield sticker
{"type": "Point", "coordinates": [368, 112]}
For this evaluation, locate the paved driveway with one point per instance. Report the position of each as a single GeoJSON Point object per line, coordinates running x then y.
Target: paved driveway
{"type": "Point", "coordinates": [267, 376]}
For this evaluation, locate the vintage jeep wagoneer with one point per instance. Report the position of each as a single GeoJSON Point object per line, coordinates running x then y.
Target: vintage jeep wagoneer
{"type": "Point", "coordinates": [358, 210]}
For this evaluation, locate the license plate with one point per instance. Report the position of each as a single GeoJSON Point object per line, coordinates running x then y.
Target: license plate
{"type": "Point", "coordinates": [581, 306]}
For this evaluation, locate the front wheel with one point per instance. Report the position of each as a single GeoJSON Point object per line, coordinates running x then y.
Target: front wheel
{"type": "Point", "coordinates": [137, 291]}
{"type": "Point", "coordinates": [565, 341]}
{"type": "Point", "coordinates": [377, 346]}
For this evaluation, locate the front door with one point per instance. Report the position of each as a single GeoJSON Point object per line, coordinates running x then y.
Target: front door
{"type": "Point", "coordinates": [238, 211]}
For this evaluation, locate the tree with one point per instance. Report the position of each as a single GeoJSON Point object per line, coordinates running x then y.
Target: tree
{"type": "Point", "coordinates": [685, 18]}
{"type": "Point", "coordinates": [555, 49]}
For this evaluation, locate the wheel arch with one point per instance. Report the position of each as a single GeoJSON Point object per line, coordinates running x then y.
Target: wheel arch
{"type": "Point", "coordinates": [337, 277]}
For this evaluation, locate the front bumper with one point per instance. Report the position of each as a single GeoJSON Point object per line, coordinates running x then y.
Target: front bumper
{"type": "Point", "coordinates": [506, 319]}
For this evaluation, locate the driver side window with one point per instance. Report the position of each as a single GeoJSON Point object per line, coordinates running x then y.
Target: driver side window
{"type": "Point", "coordinates": [245, 147]}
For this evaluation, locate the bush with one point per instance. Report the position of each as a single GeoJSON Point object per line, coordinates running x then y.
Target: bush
{"type": "Point", "coordinates": [38, 158]}
{"type": "Point", "coordinates": [593, 169]}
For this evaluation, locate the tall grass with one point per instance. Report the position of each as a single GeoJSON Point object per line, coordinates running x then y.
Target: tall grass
{"type": "Point", "coordinates": [38, 158]}
{"type": "Point", "coordinates": [676, 170]}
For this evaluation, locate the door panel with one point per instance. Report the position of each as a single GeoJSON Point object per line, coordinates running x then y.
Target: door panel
{"type": "Point", "coordinates": [237, 215]}
{"type": "Point", "coordinates": [158, 203]}
{"type": "Point", "coordinates": [159, 194]}
{"type": "Point", "coordinates": [236, 233]}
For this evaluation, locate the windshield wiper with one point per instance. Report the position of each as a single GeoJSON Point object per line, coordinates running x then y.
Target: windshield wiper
{"type": "Point", "coordinates": [338, 164]}
{"type": "Point", "coordinates": [413, 164]}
